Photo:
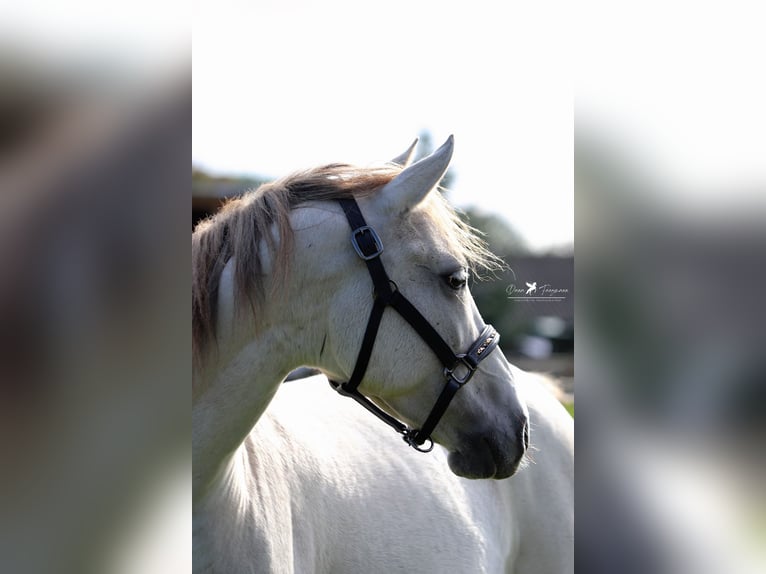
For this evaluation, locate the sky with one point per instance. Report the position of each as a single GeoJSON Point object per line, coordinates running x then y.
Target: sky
{"type": "Point", "coordinates": [283, 85]}
{"type": "Point", "coordinates": [674, 85]}
{"type": "Point", "coordinates": [280, 86]}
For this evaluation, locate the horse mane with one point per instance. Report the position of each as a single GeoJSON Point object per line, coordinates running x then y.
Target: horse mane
{"type": "Point", "coordinates": [243, 222]}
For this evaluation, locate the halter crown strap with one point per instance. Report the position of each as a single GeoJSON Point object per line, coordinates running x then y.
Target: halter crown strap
{"type": "Point", "coordinates": [458, 369]}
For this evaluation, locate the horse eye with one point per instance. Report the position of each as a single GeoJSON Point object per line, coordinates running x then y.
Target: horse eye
{"type": "Point", "coordinates": [457, 280]}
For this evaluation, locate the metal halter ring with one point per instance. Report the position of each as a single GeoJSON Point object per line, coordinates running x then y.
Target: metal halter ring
{"type": "Point", "coordinates": [449, 372]}
{"type": "Point", "coordinates": [410, 440]}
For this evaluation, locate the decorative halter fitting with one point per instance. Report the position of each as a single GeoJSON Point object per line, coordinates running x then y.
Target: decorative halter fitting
{"type": "Point", "coordinates": [458, 368]}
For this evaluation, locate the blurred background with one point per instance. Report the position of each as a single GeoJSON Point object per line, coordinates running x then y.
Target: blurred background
{"type": "Point", "coordinates": [670, 195]}
{"type": "Point", "coordinates": [668, 174]}
{"type": "Point", "coordinates": [95, 136]}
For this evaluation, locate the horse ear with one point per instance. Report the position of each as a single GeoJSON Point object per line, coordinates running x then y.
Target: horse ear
{"type": "Point", "coordinates": [412, 185]}
{"type": "Point", "coordinates": [404, 159]}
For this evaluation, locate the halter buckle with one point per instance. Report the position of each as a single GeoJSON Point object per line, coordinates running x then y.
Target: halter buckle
{"type": "Point", "coordinates": [357, 233]}
{"type": "Point", "coordinates": [451, 375]}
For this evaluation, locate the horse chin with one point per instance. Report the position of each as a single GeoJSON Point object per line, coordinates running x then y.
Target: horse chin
{"type": "Point", "coordinates": [469, 466]}
{"type": "Point", "coordinates": [481, 461]}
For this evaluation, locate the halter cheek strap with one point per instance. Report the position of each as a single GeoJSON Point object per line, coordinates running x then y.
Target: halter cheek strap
{"type": "Point", "coordinates": [458, 368]}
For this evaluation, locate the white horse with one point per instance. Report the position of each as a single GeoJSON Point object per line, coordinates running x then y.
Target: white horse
{"type": "Point", "coordinates": [316, 316]}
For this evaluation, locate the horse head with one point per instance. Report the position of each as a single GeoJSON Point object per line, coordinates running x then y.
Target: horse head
{"type": "Point", "coordinates": [428, 254]}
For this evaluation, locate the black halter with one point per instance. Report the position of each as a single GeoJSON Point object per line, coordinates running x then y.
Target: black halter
{"type": "Point", "coordinates": [458, 368]}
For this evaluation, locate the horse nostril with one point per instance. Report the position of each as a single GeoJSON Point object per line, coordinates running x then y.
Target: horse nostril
{"type": "Point", "coordinates": [525, 435]}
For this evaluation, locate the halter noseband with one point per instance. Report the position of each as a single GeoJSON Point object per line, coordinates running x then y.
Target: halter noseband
{"type": "Point", "coordinates": [458, 368]}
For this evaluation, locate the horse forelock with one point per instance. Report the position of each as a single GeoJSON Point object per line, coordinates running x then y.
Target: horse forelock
{"type": "Point", "coordinates": [263, 215]}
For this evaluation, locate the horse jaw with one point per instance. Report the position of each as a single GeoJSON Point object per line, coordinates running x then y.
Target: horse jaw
{"type": "Point", "coordinates": [415, 182]}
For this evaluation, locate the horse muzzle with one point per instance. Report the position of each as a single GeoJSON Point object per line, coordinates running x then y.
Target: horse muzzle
{"type": "Point", "coordinates": [484, 456]}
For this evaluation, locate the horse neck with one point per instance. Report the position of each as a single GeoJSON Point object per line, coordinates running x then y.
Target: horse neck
{"type": "Point", "coordinates": [250, 364]}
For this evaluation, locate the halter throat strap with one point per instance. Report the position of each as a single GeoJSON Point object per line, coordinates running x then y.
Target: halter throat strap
{"type": "Point", "coordinates": [458, 368]}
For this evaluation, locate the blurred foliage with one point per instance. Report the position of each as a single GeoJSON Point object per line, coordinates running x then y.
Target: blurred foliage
{"type": "Point", "coordinates": [489, 290]}
{"type": "Point", "coordinates": [503, 240]}
{"type": "Point", "coordinates": [222, 185]}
